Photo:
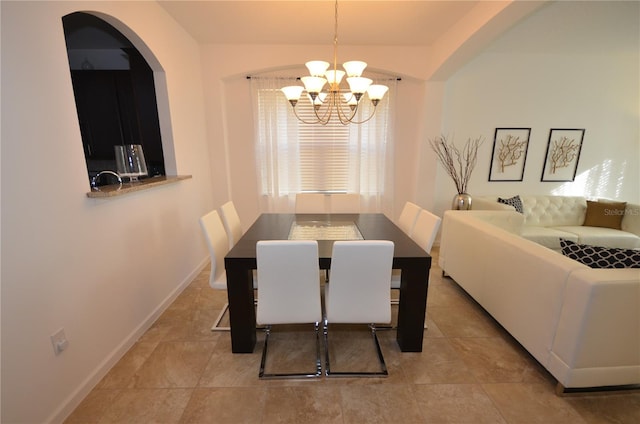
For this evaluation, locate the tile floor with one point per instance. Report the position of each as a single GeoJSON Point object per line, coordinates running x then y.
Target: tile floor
{"type": "Point", "coordinates": [470, 371]}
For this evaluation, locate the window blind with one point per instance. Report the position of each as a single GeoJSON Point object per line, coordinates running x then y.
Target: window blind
{"type": "Point", "coordinates": [297, 157]}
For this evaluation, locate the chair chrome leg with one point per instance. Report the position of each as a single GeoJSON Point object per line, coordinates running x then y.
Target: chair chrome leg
{"type": "Point", "coordinates": [224, 310]}
{"type": "Point", "coordinates": [264, 376]}
{"type": "Point", "coordinates": [219, 318]}
{"type": "Point", "coordinates": [329, 373]}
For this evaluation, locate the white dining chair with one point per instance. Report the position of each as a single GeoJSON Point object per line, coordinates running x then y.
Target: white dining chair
{"type": "Point", "coordinates": [425, 229]}
{"type": "Point", "coordinates": [424, 234]}
{"type": "Point", "coordinates": [406, 221]}
{"type": "Point", "coordinates": [345, 203]}
{"type": "Point", "coordinates": [231, 222]}
{"type": "Point", "coordinates": [289, 292]}
{"type": "Point", "coordinates": [233, 227]}
{"type": "Point", "coordinates": [408, 217]}
{"type": "Point", "coordinates": [312, 203]}
{"type": "Point", "coordinates": [359, 292]}
{"type": "Point", "coordinates": [218, 245]}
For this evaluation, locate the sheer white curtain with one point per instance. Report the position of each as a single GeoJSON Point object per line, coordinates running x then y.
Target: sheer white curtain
{"type": "Point", "coordinates": [294, 157]}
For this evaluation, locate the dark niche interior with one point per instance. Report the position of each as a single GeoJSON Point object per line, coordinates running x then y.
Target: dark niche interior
{"type": "Point", "coordinates": [115, 95]}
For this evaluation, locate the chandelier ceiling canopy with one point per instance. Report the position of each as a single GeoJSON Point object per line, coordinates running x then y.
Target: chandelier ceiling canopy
{"type": "Point", "coordinates": [335, 100]}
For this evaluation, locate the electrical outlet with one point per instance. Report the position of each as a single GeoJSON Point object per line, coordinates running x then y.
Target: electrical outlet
{"type": "Point", "coordinates": [59, 341]}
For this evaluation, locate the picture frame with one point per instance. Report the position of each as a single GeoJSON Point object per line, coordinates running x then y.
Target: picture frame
{"type": "Point", "coordinates": [509, 154]}
{"type": "Point", "coordinates": [563, 154]}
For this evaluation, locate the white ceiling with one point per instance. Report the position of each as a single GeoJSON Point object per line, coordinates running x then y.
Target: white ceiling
{"type": "Point", "coordinates": [360, 22]}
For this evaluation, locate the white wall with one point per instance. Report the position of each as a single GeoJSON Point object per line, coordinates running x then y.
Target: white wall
{"type": "Point", "coordinates": [102, 269]}
{"type": "Point", "coordinates": [568, 65]}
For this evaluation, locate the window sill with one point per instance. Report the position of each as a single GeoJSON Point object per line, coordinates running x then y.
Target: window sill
{"type": "Point", "coordinates": [119, 190]}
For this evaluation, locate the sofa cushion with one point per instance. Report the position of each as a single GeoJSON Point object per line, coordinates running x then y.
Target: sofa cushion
{"type": "Point", "coordinates": [514, 201]}
{"type": "Point", "coordinates": [604, 214]}
{"type": "Point", "coordinates": [551, 211]}
{"type": "Point", "coordinates": [600, 257]}
{"type": "Point", "coordinates": [547, 236]}
{"type": "Point", "coordinates": [600, 236]}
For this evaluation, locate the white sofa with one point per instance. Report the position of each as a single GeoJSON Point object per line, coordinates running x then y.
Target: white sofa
{"type": "Point", "coordinates": [581, 324]}
{"type": "Point", "coordinates": [548, 218]}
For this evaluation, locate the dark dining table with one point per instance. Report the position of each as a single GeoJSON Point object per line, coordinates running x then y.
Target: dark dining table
{"type": "Point", "coordinates": [414, 262]}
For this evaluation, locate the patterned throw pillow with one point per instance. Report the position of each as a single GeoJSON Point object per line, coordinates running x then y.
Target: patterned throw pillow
{"type": "Point", "coordinates": [600, 257]}
{"type": "Point", "coordinates": [514, 201]}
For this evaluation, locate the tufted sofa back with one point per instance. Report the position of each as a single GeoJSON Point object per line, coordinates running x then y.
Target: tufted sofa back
{"type": "Point", "coordinates": [547, 211]}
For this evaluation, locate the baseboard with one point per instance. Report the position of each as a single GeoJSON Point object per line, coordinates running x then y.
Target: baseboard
{"type": "Point", "coordinates": [72, 402]}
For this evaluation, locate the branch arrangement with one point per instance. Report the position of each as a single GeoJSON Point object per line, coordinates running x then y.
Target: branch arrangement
{"type": "Point", "coordinates": [459, 164]}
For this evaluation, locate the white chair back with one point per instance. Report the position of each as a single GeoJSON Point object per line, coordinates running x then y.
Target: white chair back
{"type": "Point", "coordinates": [345, 203]}
{"type": "Point", "coordinates": [231, 222]}
{"type": "Point", "coordinates": [218, 244]}
{"type": "Point", "coordinates": [358, 291]}
{"type": "Point", "coordinates": [408, 217]}
{"type": "Point", "coordinates": [312, 203]}
{"type": "Point", "coordinates": [289, 290]}
{"type": "Point", "coordinates": [425, 229]}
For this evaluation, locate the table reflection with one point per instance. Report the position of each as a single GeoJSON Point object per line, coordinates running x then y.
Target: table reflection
{"type": "Point", "coordinates": [324, 230]}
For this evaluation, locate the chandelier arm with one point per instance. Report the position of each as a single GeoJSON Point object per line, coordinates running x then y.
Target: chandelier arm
{"type": "Point", "coordinates": [344, 116]}
{"type": "Point", "coordinates": [373, 112]}
{"type": "Point", "coordinates": [326, 116]}
{"type": "Point", "coordinates": [303, 120]}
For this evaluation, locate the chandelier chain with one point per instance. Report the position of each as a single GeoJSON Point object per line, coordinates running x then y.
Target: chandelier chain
{"type": "Point", "coordinates": [335, 39]}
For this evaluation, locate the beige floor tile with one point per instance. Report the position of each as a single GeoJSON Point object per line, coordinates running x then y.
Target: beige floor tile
{"type": "Point", "coordinates": [202, 280]}
{"type": "Point", "coordinates": [437, 363]}
{"type": "Point", "coordinates": [444, 292]}
{"type": "Point", "coordinates": [389, 403]}
{"type": "Point", "coordinates": [493, 360]}
{"type": "Point", "coordinates": [229, 405]}
{"type": "Point", "coordinates": [310, 404]}
{"type": "Point", "coordinates": [456, 404]}
{"type": "Point", "coordinates": [604, 408]}
{"type": "Point", "coordinates": [174, 364]}
{"type": "Point", "coordinates": [526, 403]}
{"type": "Point", "coordinates": [120, 376]}
{"type": "Point", "coordinates": [211, 298]}
{"type": "Point", "coordinates": [226, 369]}
{"type": "Point", "coordinates": [459, 320]}
{"type": "Point", "coordinates": [432, 329]}
{"type": "Point", "coordinates": [135, 406]}
{"type": "Point", "coordinates": [93, 407]}
{"type": "Point", "coordinates": [186, 299]}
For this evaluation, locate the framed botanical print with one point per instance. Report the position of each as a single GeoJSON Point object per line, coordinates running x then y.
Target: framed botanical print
{"type": "Point", "coordinates": [509, 154]}
{"type": "Point", "coordinates": [563, 154]}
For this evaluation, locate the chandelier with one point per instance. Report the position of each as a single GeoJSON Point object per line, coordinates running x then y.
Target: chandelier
{"type": "Point", "coordinates": [335, 100]}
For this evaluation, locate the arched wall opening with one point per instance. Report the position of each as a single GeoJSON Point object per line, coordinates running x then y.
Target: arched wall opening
{"type": "Point", "coordinates": [120, 93]}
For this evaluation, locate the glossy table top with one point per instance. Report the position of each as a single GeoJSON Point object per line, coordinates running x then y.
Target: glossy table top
{"type": "Point", "coordinates": [372, 227]}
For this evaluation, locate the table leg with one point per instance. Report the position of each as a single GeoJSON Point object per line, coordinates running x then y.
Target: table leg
{"type": "Point", "coordinates": [412, 306]}
{"type": "Point", "coordinates": [242, 313]}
